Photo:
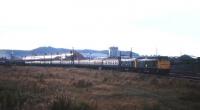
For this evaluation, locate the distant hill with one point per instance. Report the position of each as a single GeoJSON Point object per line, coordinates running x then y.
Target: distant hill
{"type": "Point", "coordinates": [48, 50]}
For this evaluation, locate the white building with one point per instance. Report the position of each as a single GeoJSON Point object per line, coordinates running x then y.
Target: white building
{"type": "Point", "coordinates": [113, 52]}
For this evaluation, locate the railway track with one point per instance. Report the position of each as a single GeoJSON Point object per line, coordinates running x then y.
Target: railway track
{"type": "Point", "coordinates": [190, 76]}
{"type": "Point", "coordinates": [185, 76]}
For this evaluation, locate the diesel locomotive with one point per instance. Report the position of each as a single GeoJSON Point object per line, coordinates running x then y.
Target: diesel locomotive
{"type": "Point", "coordinates": [153, 65]}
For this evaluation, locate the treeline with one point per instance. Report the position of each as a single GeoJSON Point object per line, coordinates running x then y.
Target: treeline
{"type": "Point", "coordinates": [185, 64]}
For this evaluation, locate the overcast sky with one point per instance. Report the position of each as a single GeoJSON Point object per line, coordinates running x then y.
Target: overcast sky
{"type": "Point", "coordinates": [171, 26]}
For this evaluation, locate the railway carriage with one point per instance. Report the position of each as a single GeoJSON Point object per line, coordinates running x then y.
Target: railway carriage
{"type": "Point", "coordinates": [110, 63]}
{"type": "Point", "coordinates": [128, 64]}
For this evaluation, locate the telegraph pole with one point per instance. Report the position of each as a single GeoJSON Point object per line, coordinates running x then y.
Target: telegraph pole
{"type": "Point", "coordinates": [44, 58]}
{"type": "Point", "coordinates": [51, 58]}
{"type": "Point", "coordinates": [72, 56]}
{"type": "Point", "coordinates": [119, 60]}
{"type": "Point", "coordinates": [131, 54]}
{"type": "Point", "coordinates": [11, 57]}
{"type": "Point", "coordinates": [156, 52]}
{"type": "Point", "coordinates": [90, 58]}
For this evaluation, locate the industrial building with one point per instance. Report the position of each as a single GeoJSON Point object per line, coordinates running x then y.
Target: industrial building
{"type": "Point", "coordinates": [113, 52]}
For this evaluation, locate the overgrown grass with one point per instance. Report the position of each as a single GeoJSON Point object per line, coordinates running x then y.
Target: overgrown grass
{"type": "Point", "coordinates": [31, 88]}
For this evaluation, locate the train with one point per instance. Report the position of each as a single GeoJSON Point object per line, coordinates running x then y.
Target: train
{"type": "Point", "coordinates": [158, 64]}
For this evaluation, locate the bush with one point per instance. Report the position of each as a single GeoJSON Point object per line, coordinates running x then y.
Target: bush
{"type": "Point", "coordinates": [151, 107]}
{"type": "Point", "coordinates": [82, 83]}
{"type": "Point", "coordinates": [154, 81]}
{"type": "Point", "coordinates": [66, 103]}
{"type": "Point", "coordinates": [61, 103]}
{"type": "Point", "coordinates": [105, 79]}
{"type": "Point", "coordinates": [12, 100]}
{"type": "Point", "coordinates": [189, 95]}
{"type": "Point", "coordinates": [40, 76]}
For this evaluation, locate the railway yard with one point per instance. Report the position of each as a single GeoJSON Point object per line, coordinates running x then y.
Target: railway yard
{"type": "Point", "coordinates": [100, 55]}
{"type": "Point", "coordinates": [70, 88]}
